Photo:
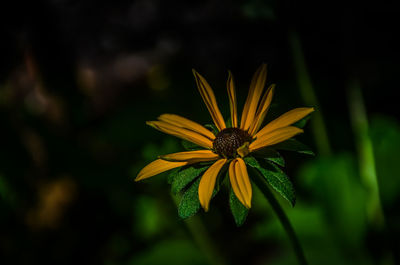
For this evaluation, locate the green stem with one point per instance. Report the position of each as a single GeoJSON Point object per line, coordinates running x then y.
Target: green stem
{"type": "Point", "coordinates": [365, 152]}
{"type": "Point", "coordinates": [263, 186]}
{"type": "Point", "coordinates": [201, 237]}
{"type": "Point", "coordinates": [309, 96]}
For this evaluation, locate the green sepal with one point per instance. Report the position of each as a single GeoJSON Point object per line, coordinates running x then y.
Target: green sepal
{"type": "Point", "coordinates": [228, 123]}
{"type": "Point", "coordinates": [189, 146]}
{"type": "Point", "coordinates": [270, 155]}
{"type": "Point", "coordinates": [190, 203]}
{"type": "Point", "coordinates": [275, 177]}
{"type": "Point", "coordinates": [212, 128]}
{"type": "Point", "coordinates": [302, 123]}
{"type": "Point", "coordinates": [239, 211]}
{"type": "Point", "coordinates": [186, 175]}
{"type": "Point", "coordinates": [294, 145]}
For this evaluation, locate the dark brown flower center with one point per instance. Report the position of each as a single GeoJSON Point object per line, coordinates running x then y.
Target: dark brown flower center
{"type": "Point", "coordinates": [229, 140]}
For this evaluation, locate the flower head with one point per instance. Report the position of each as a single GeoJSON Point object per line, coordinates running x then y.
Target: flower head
{"type": "Point", "coordinates": [230, 145]}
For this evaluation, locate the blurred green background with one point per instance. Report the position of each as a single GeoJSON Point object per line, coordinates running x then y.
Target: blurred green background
{"type": "Point", "coordinates": [78, 80]}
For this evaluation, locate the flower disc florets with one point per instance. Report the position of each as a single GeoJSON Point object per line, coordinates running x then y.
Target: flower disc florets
{"type": "Point", "coordinates": [229, 140]}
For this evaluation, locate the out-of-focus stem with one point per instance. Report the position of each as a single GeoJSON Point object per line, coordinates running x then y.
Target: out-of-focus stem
{"type": "Point", "coordinates": [309, 96]}
{"type": "Point", "coordinates": [365, 151]}
{"type": "Point", "coordinates": [202, 238]}
{"type": "Point", "coordinates": [263, 186]}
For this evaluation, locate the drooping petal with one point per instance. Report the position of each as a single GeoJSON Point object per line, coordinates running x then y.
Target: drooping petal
{"type": "Point", "coordinates": [182, 133]}
{"type": "Point", "coordinates": [240, 181]}
{"type": "Point", "coordinates": [243, 150]}
{"type": "Point", "coordinates": [232, 99]}
{"type": "Point", "coordinates": [274, 137]}
{"type": "Point", "coordinates": [186, 124]}
{"type": "Point", "coordinates": [156, 167]}
{"type": "Point", "coordinates": [285, 119]}
{"type": "Point", "coordinates": [209, 99]}
{"type": "Point", "coordinates": [253, 97]}
{"type": "Point", "coordinates": [207, 183]}
{"type": "Point", "coordinates": [191, 156]}
{"type": "Point", "coordinates": [262, 110]}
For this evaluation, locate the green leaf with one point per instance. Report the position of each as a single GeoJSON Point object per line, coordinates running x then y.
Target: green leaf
{"type": "Point", "coordinates": [185, 176]}
{"type": "Point", "coordinates": [172, 175]}
{"type": "Point", "coordinates": [212, 128]}
{"type": "Point", "coordinates": [275, 177]}
{"type": "Point", "coordinates": [294, 145]}
{"type": "Point", "coordinates": [271, 155]}
{"type": "Point", "coordinates": [239, 211]}
{"type": "Point", "coordinates": [190, 203]}
{"type": "Point", "coordinates": [189, 146]}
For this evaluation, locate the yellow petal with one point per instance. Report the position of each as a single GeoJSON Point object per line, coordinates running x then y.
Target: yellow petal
{"type": "Point", "coordinates": [191, 156]}
{"type": "Point", "coordinates": [156, 167]}
{"type": "Point", "coordinates": [240, 181]}
{"type": "Point", "coordinates": [274, 137]}
{"type": "Point", "coordinates": [285, 119]}
{"type": "Point", "coordinates": [256, 88]}
{"type": "Point", "coordinates": [207, 183]}
{"type": "Point", "coordinates": [232, 99]}
{"type": "Point", "coordinates": [262, 110]}
{"type": "Point", "coordinates": [209, 99]}
{"type": "Point", "coordinates": [186, 124]}
{"type": "Point", "coordinates": [181, 133]}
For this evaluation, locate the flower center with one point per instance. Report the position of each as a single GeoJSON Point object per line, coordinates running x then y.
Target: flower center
{"type": "Point", "coordinates": [229, 140]}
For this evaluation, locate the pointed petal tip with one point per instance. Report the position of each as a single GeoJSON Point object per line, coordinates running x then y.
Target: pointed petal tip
{"type": "Point", "coordinates": [150, 123]}
{"type": "Point", "coordinates": [204, 205]}
{"type": "Point", "coordinates": [229, 75]}
{"type": "Point", "coordinates": [272, 89]}
{"type": "Point", "coordinates": [297, 130]}
{"type": "Point", "coordinates": [308, 110]}
{"type": "Point", "coordinates": [207, 183]}
{"type": "Point", "coordinates": [263, 67]}
{"type": "Point", "coordinates": [209, 99]}
{"type": "Point", "coordinates": [138, 178]}
{"type": "Point", "coordinates": [166, 158]}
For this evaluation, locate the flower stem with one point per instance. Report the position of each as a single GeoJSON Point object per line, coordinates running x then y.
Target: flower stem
{"type": "Point", "coordinates": [263, 186]}
{"type": "Point", "coordinates": [202, 238]}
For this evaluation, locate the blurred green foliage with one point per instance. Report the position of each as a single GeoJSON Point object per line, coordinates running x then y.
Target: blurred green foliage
{"type": "Point", "coordinates": [385, 134]}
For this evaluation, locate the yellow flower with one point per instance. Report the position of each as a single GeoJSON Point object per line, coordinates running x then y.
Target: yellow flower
{"type": "Point", "coordinates": [229, 145]}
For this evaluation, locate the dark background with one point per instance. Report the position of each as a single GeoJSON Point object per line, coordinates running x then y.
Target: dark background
{"type": "Point", "coordinates": [78, 80]}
